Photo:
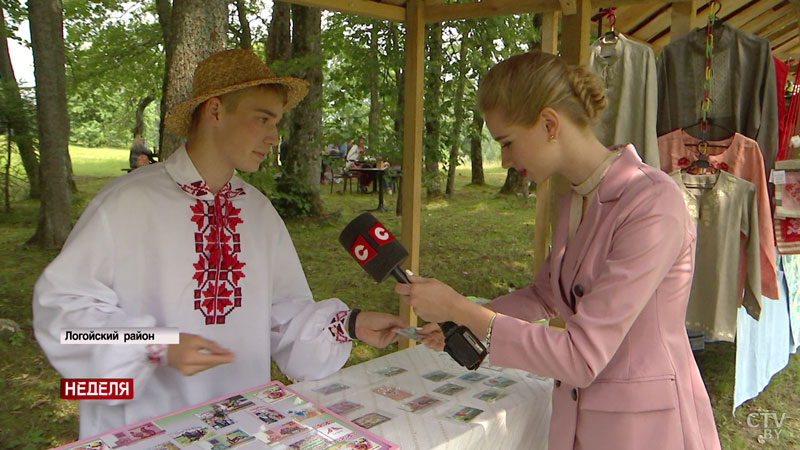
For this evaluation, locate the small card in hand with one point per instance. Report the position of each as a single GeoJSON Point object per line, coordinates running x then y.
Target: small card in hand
{"type": "Point", "coordinates": [409, 332]}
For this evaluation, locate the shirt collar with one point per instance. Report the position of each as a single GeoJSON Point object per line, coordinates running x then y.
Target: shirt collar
{"type": "Point", "coordinates": [182, 170]}
{"type": "Point", "coordinates": [591, 183]}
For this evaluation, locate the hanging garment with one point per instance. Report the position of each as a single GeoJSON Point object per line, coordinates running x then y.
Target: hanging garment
{"type": "Point", "coordinates": [721, 204]}
{"type": "Point", "coordinates": [628, 71]}
{"type": "Point", "coordinates": [762, 347]}
{"type": "Point", "coordinates": [791, 268]}
{"type": "Point", "coordinates": [743, 88]}
{"type": "Point", "coordinates": [741, 158]}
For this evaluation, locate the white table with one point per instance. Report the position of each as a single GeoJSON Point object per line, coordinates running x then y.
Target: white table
{"type": "Point", "coordinates": [520, 420]}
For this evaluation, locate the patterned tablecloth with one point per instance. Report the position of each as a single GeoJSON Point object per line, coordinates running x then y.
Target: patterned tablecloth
{"type": "Point", "coordinates": [519, 419]}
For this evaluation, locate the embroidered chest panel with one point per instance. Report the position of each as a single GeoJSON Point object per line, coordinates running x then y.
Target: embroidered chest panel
{"type": "Point", "coordinates": [218, 268]}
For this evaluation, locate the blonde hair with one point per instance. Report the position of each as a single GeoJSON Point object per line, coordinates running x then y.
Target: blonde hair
{"type": "Point", "coordinates": [230, 100]}
{"type": "Point", "coordinates": [524, 84]}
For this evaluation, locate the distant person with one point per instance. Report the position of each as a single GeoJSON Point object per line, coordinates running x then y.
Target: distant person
{"type": "Point", "coordinates": [218, 264]}
{"type": "Point", "coordinates": [139, 148]}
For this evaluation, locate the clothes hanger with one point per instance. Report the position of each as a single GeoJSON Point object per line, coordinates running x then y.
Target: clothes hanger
{"type": "Point", "coordinates": [711, 123]}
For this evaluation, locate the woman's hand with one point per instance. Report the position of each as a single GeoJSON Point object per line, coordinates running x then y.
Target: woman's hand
{"type": "Point", "coordinates": [432, 300]}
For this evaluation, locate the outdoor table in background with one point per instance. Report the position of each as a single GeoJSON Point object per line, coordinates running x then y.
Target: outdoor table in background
{"type": "Point", "coordinates": [519, 420]}
{"type": "Point", "coordinates": [377, 178]}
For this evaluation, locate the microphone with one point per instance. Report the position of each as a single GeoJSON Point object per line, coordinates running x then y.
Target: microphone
{"type": "Point", "coordinates": [380, 254]}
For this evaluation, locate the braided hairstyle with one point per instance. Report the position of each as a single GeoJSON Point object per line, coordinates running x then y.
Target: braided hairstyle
{"type": "Point", "coordinates": [524, 84]}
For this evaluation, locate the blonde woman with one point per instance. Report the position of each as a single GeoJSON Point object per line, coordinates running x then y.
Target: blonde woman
{"type": "Point", "coordinates": [619, 274]}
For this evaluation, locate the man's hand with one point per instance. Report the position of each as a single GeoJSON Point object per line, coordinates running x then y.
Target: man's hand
{"type": "Point", "coordinates": [434, 338]}
{"type": "Point", "coordinates": [375, 328]}
{"type": "Point", "coordinates": [195, 354]}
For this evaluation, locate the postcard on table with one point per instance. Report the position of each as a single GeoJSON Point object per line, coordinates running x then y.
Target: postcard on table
{"type": "Point", "coordinates": [392, 392]}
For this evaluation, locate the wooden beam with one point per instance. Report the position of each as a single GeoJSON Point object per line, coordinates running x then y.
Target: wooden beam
{"type": "Point", "coordinates": [567, 6]}
{"type": "Point", "coordinates": [632, 16]}
{"type": "Point", "coordinates": [786, 44]}
{"type": "Point", "coordinates": [752, 12]}
{"type": "Point", "coordinates": [787, 29]}
{"type": "Point", "coordinates": [766, 18]}
{"type": "Point", "coordinates": [550, 32]}
{"type": "Point", "coordinates": [488, 8]}
{"type": "Point", "coordinates": [776, 24]}
{"type": "Point", "coordinates": [366, 8]}
{"type": "Point", "coordinates": [575, 34]}
{"type": "Point", "coordinates": [412, 144]}
{"type": "Point", "coordinates": [683, 19]}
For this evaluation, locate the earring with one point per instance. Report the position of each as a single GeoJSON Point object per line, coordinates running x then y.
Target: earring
{"type": "Point", "coordinates": [551, 139]}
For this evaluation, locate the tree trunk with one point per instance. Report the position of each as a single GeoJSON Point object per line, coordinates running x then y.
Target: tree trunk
{"type": "Point", "coordinates": [138, 127]}
{"type": "Point", "coordinates": [20, 122]}
{"type": "Point", "coordinates": [515, 183]}
{"type": "Point", "coordinates": [305, 135]}
{"type": "Point", "coordinates": [164, 9]}
{"type": "Point", "coordinates": [279, 40]}
{"type": "Point", "coordinates": [476, 149]}
{"type": "Point", "coordinates": [47, 40]}
{"type": "Point", "coordinates": [373, 68]}
{"type": "Point", "coordinates": [245, 40]}
{"type": "Point", "coordinates": [458, 109]}
{"type": "Point", "coordinates": [432, 106]}
{"type": "Point", "coordinates": [198, 30]}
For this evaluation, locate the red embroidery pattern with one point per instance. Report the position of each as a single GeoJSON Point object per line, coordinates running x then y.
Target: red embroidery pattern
{"type": "Point", "coordinates": [216, 242]}
{"type": "Point", "coordinates": [156, 353]}
{"type": "Point", "coordinates": [337, 327]}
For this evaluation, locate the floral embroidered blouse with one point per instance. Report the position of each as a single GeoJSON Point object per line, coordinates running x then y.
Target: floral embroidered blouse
{"type": "Point", "coordinates": [721, 204]}
{"type": "Point", "coordinates": [156, 248]}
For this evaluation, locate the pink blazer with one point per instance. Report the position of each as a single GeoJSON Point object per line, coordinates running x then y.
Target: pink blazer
{"type": "Point", "coordinates": [625, 376]}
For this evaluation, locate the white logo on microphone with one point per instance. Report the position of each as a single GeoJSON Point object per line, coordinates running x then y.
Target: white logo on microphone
{"type": "Point", "coordinates": [361, 252]}
{"type": "Point", "coordinates": [381, 233]}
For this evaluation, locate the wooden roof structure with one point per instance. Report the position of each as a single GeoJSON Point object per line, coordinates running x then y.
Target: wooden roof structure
{"type": "Point", "coordinates": [653, 22]}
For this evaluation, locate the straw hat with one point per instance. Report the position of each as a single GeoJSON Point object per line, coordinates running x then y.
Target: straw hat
{"type": "Point", "coordinates": [228, 71]}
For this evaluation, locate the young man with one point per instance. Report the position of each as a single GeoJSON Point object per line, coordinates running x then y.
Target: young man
{"type": "Point", "coordinates": [219, 264]}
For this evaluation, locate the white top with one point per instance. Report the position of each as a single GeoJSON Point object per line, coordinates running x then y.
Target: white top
{"type": "Point", "coordinates": [144, 254]}
{"type": "Point", "coordinates": [353, 153]}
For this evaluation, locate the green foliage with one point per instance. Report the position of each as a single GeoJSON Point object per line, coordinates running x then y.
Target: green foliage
{"type": "Point", "coordinates": [115, 57]}
{"type": "Point", "coordinates": [291, 197]}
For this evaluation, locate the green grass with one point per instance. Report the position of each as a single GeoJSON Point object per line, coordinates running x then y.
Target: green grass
{"type": "Point", "coordinates": [476, 241]}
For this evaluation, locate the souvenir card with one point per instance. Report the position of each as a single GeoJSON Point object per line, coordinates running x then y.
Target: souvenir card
{"type": "Point", "coordinates": [164, 446]}
{"type": "Point", "coordinates": [274, 394]}
{"type": "Point", "coordinates": [305, 411]}
{"type": "Point", "coordinates": [135, 434]}
{"type": "Point", "coordinates": [473, 376]}
{"type": "Point", "coordinates": [370, 420]}
{"type": "Point", "coordinates": [333, 430]}
{"type": "Point", "coordinates": [536, 377]}
{"type": "Point", "coordinates": [344, 407]}
{"type": "Point", "coordinates": [486, 365]}
{"type": "Point", "coordinates": [280, 432]}
{"type": "Point", "coordinates": [392, 392]}
{"type": "Point", "coordinates": [390, 371]}
{"type": "Point", "coordinates": [437, 375]}
{"type": "Point", "coordinates": [490, 395]}
{"type": "Point", "coordinates": [420, 403]}
{"type": "Point", "coordinates": [410, 332]}
{"type": "Point", "coordinates": [267, 414]}
{"type": "Point", "coordinates": [463, 413]}
{"type": "Point", "coordinates": [500, 382]}
{"type": "Point", "coordinates": [234, 403]}
{"type": "Point", "coordinates": [331, 388]}
{"type": "Point", "coordinates": [216, 418]}
{"type": "Point", "coordinates": [315, 442]}
{"type": "Point", "coordinates": [226, 441]}
{"type": "Point", "coordinates": [449, 389]}
{"type": "Point", "coordinates": [193, 434]}
{"type": "Point", "coordinates": [94, 445]}
{"type": "Point", "coordinates": [359, 443]}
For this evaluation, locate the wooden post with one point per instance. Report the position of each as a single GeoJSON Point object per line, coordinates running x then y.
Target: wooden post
{"type": "Point", "coordinates": [412, 143]}
{"type": "Point", "coordinates": [575, 34]}
{"type": "Point", "coordinates": [683, 16]}
{"type": "Point", "coordinates": [541, 234]}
